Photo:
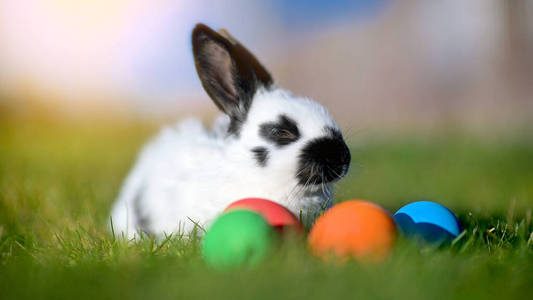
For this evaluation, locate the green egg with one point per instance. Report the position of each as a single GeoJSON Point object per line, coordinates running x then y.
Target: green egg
{"type": "Point", "coordinates": [237, 238]}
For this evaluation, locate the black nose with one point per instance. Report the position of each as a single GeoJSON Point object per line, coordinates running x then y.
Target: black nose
{"type": "Point", "coordinates": [323, 160]}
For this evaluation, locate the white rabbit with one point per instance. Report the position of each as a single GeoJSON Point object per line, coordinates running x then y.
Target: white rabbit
{"type": "Point", "coordinates": [268, 144]}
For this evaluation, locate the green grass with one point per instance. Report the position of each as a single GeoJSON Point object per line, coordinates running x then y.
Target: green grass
{"type": "Point", "coordinates": [57, 182]}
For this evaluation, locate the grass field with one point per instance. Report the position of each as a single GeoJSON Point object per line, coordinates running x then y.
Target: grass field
{"type": "Point", "coordinates": [57, 182]}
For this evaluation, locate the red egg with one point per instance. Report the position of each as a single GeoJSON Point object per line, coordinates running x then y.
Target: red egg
{"type": "Point", "coordinates": [275, 214]}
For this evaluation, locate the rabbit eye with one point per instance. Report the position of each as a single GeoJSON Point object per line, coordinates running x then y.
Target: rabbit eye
{"type": "Point", "coordinates": [282, 132]}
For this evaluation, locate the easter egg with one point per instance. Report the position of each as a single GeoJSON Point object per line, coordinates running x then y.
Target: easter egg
{"type": "Point", "coordinates": [428, 221]}
{"type": "Point", "coordinates": [354, 228]}
{"type": "Point", "coordinates": [236, 238]}
{"type": "Point", "coordinates": [275, 214]}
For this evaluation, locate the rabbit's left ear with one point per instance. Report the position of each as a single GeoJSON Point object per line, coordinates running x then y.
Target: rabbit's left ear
{"type": "Point", "coordinates": [230, 74]}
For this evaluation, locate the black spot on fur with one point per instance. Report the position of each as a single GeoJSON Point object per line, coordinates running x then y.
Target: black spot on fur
{"type": "Point", "coordinates": [143, 222]}
{"type": "Point", "coordinates": [281, 133]}
{"type": "Point", "coordinates": [333, 132]}
{"type": "Point", "coordinates": [324, 160]}
{"type": "Point", "coordinates": [235, 126]}
{"type": "Point", "coordinates": [261, 155]}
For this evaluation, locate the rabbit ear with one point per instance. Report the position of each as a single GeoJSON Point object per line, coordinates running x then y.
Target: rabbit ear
{"type": "Point", "coordinates": [229, 73]}
{"type": "Point", "coordinates": [260, 72]}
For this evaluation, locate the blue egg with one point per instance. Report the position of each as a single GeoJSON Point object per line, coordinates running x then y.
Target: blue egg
{"type": "Point", "coordinates": [432, 222]}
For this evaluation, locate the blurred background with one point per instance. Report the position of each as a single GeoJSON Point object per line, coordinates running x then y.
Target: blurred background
{"type": "Point", "coordinates": [434, 97]}
{"type": "Point", "coordinates": [373, 63]}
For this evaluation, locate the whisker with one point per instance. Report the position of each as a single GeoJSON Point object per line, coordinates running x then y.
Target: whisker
{"type": "Point", "coordinates": [334, 172]}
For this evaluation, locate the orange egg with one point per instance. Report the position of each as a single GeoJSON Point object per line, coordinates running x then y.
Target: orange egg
{"type": "Point", "coordinates": [354, 228]}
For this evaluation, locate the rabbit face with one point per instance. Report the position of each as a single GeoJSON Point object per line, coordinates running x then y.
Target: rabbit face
{"type": "Point", "coordinates": [285, 137]}
{"type": "Point", "coordinates": [285, 134]}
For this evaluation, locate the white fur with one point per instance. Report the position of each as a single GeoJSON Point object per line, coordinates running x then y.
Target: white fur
{"type": "Point", "coordinates": [188, 174]}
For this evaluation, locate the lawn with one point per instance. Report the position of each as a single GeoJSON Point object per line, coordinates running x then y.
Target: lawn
{"type": "Point", "coordinates": [58, 181]}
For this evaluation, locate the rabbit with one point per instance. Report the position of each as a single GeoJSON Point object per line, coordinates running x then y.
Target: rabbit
{"type": "Point", "coordinates": [268, 143]}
